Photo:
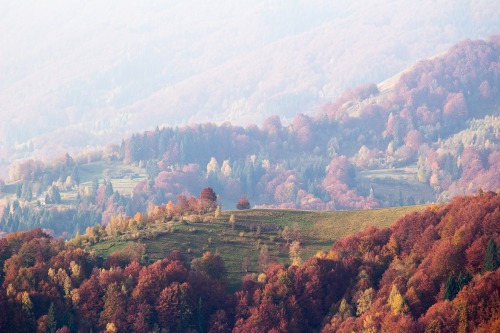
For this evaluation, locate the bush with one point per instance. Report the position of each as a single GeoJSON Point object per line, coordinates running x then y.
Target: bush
{"type": "Point", "coordinates": [194, 219]}
{"type": "Point", "coordinates": [208, 219]}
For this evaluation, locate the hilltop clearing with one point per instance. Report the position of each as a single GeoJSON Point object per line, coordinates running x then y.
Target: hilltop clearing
{"type": "Point", "coordinates": [252, 231]}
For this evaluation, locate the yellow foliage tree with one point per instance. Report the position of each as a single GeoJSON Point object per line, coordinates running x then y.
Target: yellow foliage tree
{"type": "Point", "coordinates": [138, 217]}
{"type": "Point", "coordinates": [217, 212]}
{"type": "Point", "coordinates": [365, 301]}
{"type": "Point", "coordinates": [391, 249]}
{"type": "Point", "coordinates": [170, 208]}
{"type": "Point", "coordinates": [295, 250]}
{"type": "Point", "coordinates": [345, 309]}
{"type": "Point", "coordinates": [232, 221]}
{"type": "Point", "coordinates": [396, 301]}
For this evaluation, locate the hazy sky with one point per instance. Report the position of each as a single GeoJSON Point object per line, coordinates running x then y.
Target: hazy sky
{"type": "Point", "coordinates": [94, 71]}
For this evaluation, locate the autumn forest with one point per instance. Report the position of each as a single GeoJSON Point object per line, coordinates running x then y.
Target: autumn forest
{"type": "Point", "coordinates": [78, 234]}
{"type": "Point", "coordinates": [434, 271]}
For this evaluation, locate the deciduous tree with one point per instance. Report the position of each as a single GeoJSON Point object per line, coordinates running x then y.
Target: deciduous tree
{"type": "Point", "coordinates": [243, 203]}
{"type": "Point", "coordinates": [172, 306]}
{"type": "Point", "coordinates": [208, 199]}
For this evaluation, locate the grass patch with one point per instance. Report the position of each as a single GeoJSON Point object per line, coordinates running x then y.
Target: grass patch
{"type": "Point", "coordinates": [390, 182]}
{"type": "Point", "coordinates": [319, 230]}
{"type": "Point", "coordinates": [107, 247]}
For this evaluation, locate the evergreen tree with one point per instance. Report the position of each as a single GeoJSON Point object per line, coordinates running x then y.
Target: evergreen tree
{"type": "Point", "coordinates": [26, 192]}
{"type": "Point", "coordinates": [19, 190]}
{"type": "Point", "coordinates": [152, 169]}
{"type": "Point", "coordinates": [455, 284]}
{"type": "Point", "coordinates": [491, 261]}
{"type": "Point", "coordinates": [400, 198]}
{"type": "Point", "coordinates": [109, 189]}
{"type": "Point", "coordinates": [51, 323]}
{"type": "Point", "coordinates": [75, 175]}
{"type": "Point", "coordinates": [54, 194]}
{"type": "Point", "coordinates": [463, 279]}
{"type": "Point", "coordinates": [451, 288]}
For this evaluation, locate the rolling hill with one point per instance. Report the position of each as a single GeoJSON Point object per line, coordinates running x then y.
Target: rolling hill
{"type": "Point", "coordinates": [254, 229]}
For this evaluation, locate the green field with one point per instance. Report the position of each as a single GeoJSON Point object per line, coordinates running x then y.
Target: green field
{"type": "Point", "coordinates": [97, 170]}
{"type": "Point", "coordinates": [318, 231]}
{"type": "Point", "coordinates": [391, 182]}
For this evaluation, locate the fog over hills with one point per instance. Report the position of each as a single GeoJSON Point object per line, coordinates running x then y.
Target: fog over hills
{"type": "Point", "coordinates": [82, 74]}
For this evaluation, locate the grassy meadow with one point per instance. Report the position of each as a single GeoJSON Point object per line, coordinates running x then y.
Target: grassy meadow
{"type": "Point", "coordinates": [254, 229]}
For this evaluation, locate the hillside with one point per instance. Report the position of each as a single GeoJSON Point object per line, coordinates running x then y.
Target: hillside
{"type": "Point", "coordinates": [254, 229]}
{"type": "Point", "coordinates": [434, 270]}
{"type": "Point", "coordinates": [101, 71]}
{"type": "Point", "coordinates": [424, 136]}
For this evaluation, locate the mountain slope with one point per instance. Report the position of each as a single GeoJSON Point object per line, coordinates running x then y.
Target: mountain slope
{"type": "Point", "coordinates": [100, 68]}
{"type": "Point", "coordinates": [431, 135]}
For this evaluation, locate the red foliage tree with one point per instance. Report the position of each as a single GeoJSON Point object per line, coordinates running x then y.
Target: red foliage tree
{"type": "Point", "coordinates": [172, 306]}
{"type": "Point", "coordinates": [455, 107]}
{"type": "Point", "coordinates": [182, 205]}
{"type": "Point", "coordinates": [114, 310]}
{"type": "Point", "coordinates": [90, 301]}
{"type": "Point", "coordinates": [211, 264]}
{"type": "Point", "coordinates": [219, 323]}
{"type": "Point", "coordinates": [414, 139]}
{"type": "Point", "coordinates": [243, 203]}
{"type": "Point", "coordinates": [208, 199]}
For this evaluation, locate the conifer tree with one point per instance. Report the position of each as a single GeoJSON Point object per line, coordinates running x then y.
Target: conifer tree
{"type": "Point", "coordinates": [491, 261]}
{"type": "Point", "coordinates": [26, 192]}
{"type": "Point", "coordinates": [51, 323]}
{"type": "Point", "coordinates": [19, 191]}
{"type": "Point", "coordinates": [451, 288]}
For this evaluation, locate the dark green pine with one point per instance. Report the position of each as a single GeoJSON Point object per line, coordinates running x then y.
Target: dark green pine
{"type": "Point", "coordinates": [491, 261]}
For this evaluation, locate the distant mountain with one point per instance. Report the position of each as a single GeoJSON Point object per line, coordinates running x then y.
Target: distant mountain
{"type": "Point", "coordinates": [428, 134]}
{"type": "Point", "coordinates": [92, 73]}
